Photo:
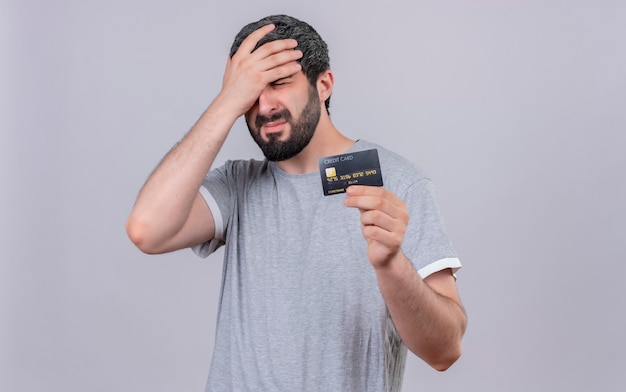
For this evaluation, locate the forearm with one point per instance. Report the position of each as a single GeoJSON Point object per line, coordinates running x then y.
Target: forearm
{"type": "Point", "coordinates": [164, 202]}
{"type": "Point", "coordinates": [430, 324]}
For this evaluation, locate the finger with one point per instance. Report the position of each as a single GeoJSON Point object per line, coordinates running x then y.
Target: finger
{"type": "Point", "coordinates": [368, 203]}
{"type": "Point", "coordinates": [378, 234]}
{"type": "Point", "coordinates": [248, 44]}
{"type": "Point", "coordinates": [277, 57]}
{"type": "Point", "coordinates": [364, 190]}
{"type": "Point", "coordinates": [273, 47]}
{"type": "Point", "coordinates": [388, 239]}
{"type": "Point", "coordinates": [281, 58]}
{"type": "Point", "coordinates": [382, 220]}
{"type": "Point", "coordinates": [283, 71]}
{"type": "Point", "coordinates": [377, 203]}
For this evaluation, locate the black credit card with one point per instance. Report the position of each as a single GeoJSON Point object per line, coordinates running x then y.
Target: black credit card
{"type": "Point", "coordinates": [338, 172]}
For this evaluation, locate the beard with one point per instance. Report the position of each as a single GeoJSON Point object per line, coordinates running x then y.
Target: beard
{"type": "Point", "coordinates": [302, 130]}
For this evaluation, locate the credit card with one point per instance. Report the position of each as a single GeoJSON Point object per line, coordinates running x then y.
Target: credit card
{"type": "Point", "coordinates": [338, 172]}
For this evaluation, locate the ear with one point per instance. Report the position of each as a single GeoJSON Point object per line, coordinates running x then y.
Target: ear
{"type": "Point", "coordinates": [325, 83]}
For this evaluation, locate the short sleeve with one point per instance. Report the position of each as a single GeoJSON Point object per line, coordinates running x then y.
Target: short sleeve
{"type": "Point", "coordinates": [426, 242]}
{"type": "Point", "coordinates": [216, 190]}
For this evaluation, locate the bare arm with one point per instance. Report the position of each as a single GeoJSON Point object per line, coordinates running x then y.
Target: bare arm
{"type": "Point", "coordinates": [427, 313]}
{"type": "Point", "coordinates": [169, 213]}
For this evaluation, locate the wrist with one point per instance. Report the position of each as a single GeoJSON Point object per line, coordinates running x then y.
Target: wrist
{"type": "Point", "coordinates": [393, 265]}
{"type": "Point", "coordinates": [229, 105]}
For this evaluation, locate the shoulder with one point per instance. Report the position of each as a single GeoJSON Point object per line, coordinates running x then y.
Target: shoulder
{"type": "Point", "coordinates": [241, 168]}
{"type": "Point", "coordinates": [244, 165]}
{"type": "Point", "coordinates": [235, 175]}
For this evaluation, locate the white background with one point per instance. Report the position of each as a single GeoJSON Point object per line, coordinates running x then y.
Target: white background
{"type": "Point", "coordinates": [515, 108]}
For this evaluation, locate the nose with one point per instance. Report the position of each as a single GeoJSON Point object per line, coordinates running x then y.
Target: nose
{"type": "Point", "coordinates": [267, 102]}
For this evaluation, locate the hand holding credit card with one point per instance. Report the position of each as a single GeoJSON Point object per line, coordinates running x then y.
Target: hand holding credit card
{"type": "Point", "coordinates": [338, 172]}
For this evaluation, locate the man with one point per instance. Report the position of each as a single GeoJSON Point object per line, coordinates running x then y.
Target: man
{"type": "Point", "coordinates": [319, 293]}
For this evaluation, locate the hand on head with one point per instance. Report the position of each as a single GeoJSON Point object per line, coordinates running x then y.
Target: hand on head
{"type": "Point", "coordinates": [249, 71]}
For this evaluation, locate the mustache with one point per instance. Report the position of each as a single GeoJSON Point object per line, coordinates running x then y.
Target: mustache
{"type": "Point", "coordinates": [280, 115]}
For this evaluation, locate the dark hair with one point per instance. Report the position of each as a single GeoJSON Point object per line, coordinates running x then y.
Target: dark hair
{"type": "Point", "coordinates": [315, 59]}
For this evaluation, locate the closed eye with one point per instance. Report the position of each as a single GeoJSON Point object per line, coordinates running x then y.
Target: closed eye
{"type": "Point", "coordinates": [281, 81]}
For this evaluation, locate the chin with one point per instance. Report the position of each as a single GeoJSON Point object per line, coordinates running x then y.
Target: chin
{"type": "Point", "coordinates": [280, 136]}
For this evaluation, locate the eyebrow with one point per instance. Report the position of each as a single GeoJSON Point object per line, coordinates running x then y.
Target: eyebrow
{"type": "Point", "coordinates": [283, 79]}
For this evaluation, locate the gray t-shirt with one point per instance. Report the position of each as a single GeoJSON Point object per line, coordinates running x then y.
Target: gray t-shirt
{"type": "Point", "coordinates": [300, 309]}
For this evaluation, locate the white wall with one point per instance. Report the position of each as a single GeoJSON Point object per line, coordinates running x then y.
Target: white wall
{"type": "Point", "coordinates": [516, 109]}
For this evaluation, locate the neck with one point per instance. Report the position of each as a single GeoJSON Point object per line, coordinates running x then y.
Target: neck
{"type": "Point", "coordinates": [326, 140]}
